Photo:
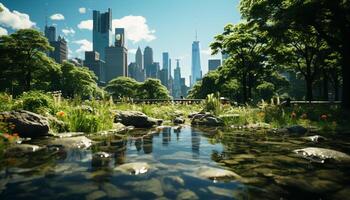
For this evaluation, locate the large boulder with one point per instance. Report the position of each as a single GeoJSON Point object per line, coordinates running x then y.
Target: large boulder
{"type": "Point", "coordinates": [321, 155]}
{"type": "Point", "coordinates": [206, 120]}
{"type": "Point", "coordinates": [26, 124]}
{"type": "Point", "coordinates": [136, 119]}
{"type": "Point", "coordinates": [297, 129]}
{"type": "Point", "coordinates": [80, 142]}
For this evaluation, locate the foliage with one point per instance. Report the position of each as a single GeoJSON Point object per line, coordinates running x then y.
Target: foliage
{"type": "Point", "coordinates": [266, 90]}
{"type": "Point", "coordinates": [6, 102]}
{"type": "Point", "coordinates": [212, 104]}
{"type": "Point", "coordinates": [123, 87]}
{"type": "Point", "coordinates": [153, 89]}
{"type": "Point", "coordinates": [35, 101]}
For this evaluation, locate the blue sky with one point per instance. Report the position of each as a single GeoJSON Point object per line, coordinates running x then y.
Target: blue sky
{"type": "Point", "coordinates": [164, 25]}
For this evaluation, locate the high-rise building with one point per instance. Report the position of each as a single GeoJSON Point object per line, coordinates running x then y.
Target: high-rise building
{"type": "Point", "coordinates": [177, 80]}
{"type": "Point", "coordinates": [139, 58]}
{"type": "Point", "coordinates": [184, 88]}
{"type": "Point", "coordinates": [148, 60]}
{"type": "Point", "coordinates": [102, 31]}
{"type": "Point", "coordinates": [50, 33]}
{"type": "Point", "coordinates": [60, 52]}
{"type": "Point", "coordinates": [170, 68]}
{"type": "Point", "coordinates": [116, 57]}
{"type": "Point", "coordinates": [154, 70]}
{"type": "Point", "coordinates": [213, 64]}
{"type": "Point", "coordinates": [196, 63]}
{"type": "Point", "coordinates": [95, 64]}
{"type": "Point", "coordinates": [164, 76]}
{"type": "Point", "coordinates": [135, 72]}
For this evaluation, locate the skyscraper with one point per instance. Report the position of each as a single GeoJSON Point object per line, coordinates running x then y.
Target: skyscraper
{"type": "Point", "coordinates": [139, 58]}
{"type": "Point", "coordinates": [60, 52]}
{"type": "Point", "coordinates": [148, 60]}
{"type": "Point", "coordinates": [95, 64]}
{"type": "Point", "coordinates": [177, 80]}
{"type": "Point", "coordinates": [196, 63]}
{"type": "Point", "coordinates": [164, 76]}
{"type": "Point", "coordinates": [213, 64]}
{"type": "Point", "coordinates": [50, 33]}
{"type": "Point", "coordinates": [116, 57]}
{"type": "Point", "coordinates": [102, 31]}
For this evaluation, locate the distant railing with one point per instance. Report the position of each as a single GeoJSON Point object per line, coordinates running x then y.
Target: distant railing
{"type": "Point", "coordinates": [315, 102]}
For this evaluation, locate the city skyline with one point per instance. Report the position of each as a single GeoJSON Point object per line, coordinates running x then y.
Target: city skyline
{"type": "Point", "coordinates": [163, 31]}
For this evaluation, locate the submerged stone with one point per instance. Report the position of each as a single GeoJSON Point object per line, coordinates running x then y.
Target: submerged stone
{"type": "Point", "coordinates": [152, 186]}
{"type": "Point", "coordinates": [72, 142]}
{"type": "Point", "coordinates": [187, 195]}
{"type": "Point", "coordinates": [216, 173]}
{"type": "Point", "coordinates": [133, 168]}
{"type": "Point", "coordinates": [320, 155]}
{"type": "Point", "coordinates": [297, 129]}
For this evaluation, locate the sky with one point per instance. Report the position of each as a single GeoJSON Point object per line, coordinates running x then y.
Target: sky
{"type": "Point", "coordinates": [164, 25]}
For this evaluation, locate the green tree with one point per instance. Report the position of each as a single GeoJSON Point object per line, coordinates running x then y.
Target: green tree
{"type": "Point", "coordinates": [153, 89]}
{"type": "Point", "coordinates": [23, 55]}
{"type": "Point", "coordinates": [330, 19]}
{"type": "Point", "coordinates": [123, 87]}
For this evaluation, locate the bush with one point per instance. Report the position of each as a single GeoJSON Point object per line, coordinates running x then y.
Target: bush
{"type": "Point", "coordinates": [36, 102]}
{"type": "Point", "coordinates": [6, 102]}
{"type": "Point", "coordinates": [212, 104]}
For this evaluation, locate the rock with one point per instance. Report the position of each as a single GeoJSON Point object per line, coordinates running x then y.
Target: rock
{"type": "Point", "coordinates": [315, 138]}
{"type": "Point", "coordinates": [134, 168]}
{"type": "Point", "coordinates": [27, 124]}
{"type": "Point", "coordinates": [260, 125]}
{"type": "Point", "coordinates": [320, 155]}
{"type": "Point", "coordinates": [206, 120]}
{"type": "Point", "coordinates": [72, 142]}
{"type": "Point", "coordinates": [24, 148]}
{"type": "Point", "coordinates": [221, 191]}
{"type": "Point", "coordinates": [101, 154]}
{"type": "Point", "coordinates": [179, 120]}
{"type": "Point", "coordinates": [187, 194]}
{"type": "Point", "coordinates": [152, 186]}
{"type": "Point", "coordinates": [69, 134]}
{"type": "Point", "coordinates": [216, 173]}
{"type": "Point", "coordinates": [113, 191]}
{"type": "Point", "coordinates": [136, 119]}
{"type": "Point", "coordinates": [297, 129]}
{"type": "Point", "coordinates": [95, 195]}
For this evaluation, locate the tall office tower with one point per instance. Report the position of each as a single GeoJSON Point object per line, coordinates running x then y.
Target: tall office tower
{"type": "Point", "coordinates": [164, 77]}
{"type": "Point", "coordinates": [116, 57]}
{"type": "Point", "coordinates": [139, 58]}
{"type": "Point", "coordinates": [170, 68]}
{"type": "Point", "coordinates": [213, 64]}
{"type": "Point", "coordinates": [50, 33]}
{"type": "Point", "coordinates": [177, 80]}
{"type": "Point", "coordinates": [196, 63]}
{"type": "Point", "coordinates": [95, 64]}
{"type": "Point", "coordinates": [154, 70]}
{"type": "Point", "coordinates": [148, 60]}
{"type": "Point", "coordinates": [132, 70]}
{"type": "Point", "coordinates": [60, 52]}
{"type": "Point", "coordinates": [102, 31]}
{"type": "Point", "coordinates": [184, 88]}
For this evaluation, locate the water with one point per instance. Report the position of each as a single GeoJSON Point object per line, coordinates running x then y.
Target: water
{"type": "Point", "coordinates": [266, 163]}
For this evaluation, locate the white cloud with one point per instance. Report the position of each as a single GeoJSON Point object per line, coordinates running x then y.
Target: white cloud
{"type": "Point", "coordinates": [68, 31]}
{"type": "Point", "coordinates": [14, 19]}
{"type": "Point", "coordinates": [57, 16]}
{"type": "Point", "coordinates": [87, 24]}
{"type": "Point", "coordinates": [3, 31]}
{"type": "Point", "coordinates": [85, 45]}
{"type": "Point", "coordinates": [136, 28]}
{"type": "Point", "coordinates": [82, 10]}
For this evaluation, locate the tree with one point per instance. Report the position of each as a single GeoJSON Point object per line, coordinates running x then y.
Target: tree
{"type": "Point", "coordinates": [77, 81]}
{"type": "Point", "coordinates": [123, 87]}
{"type": "Point", "coordinates": [153, 89]}
{"type": "Point", "coordinates": [330, 19]}
{"type": "Point", "coordinates": [23, 54]}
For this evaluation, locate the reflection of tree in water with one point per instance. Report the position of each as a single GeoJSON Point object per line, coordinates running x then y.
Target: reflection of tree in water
{"type": "Point", "coordinates": [138, 144]}
{"type": "Point", "coordinates": [120, 151]}
{"type": "Point", "coordinates": [148, 144]}
{"type": "Point", "coordinates": [196, 141]}
{"type": "Point", "coordinates": [166, 133]}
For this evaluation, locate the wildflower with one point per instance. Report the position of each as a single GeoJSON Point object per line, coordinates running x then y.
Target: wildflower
{"type": "Point", "coordinates": [304, 116]}
{"type": "Point", "coordinates": [324, 117]}
{"type": "Point", "coordinates": [293, 115]}
{"type": "Point", "coordinates": [60, 114]}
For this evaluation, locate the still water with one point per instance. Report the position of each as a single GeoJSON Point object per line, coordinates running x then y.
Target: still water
{"type": "Point", "coordinates": [173, 164]}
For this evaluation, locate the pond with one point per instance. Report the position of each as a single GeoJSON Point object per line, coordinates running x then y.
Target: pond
{"type": "Point", "coordinates": [189, 163]}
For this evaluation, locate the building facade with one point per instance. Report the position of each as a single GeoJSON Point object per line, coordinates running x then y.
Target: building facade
{"type": "Point", "coordinates": [148, 60]}
{"type": "Point", "coordinates": [95, 64]}
{"type": "Point", "coordinates": [196, 69]}
{"type": "Point", "coordinates": [50, 33]}
{"type": "Point", "coordinates": [60, 52]}
{"type": "Point", "coordinates": [177, 80]}
{"type": "Point", "coordinates": [102, 32]}
{"type": "Point", "coordinates": [213, 64]}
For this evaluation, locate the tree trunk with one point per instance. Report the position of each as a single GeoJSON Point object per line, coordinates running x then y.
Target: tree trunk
{"type": "Point", "coordinates": [325, 86]}
{"type": "Point", "coordinates": [309, 96]}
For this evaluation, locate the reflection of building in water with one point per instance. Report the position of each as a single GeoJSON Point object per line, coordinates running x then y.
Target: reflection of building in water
{"type": "Point", "coordinates": [120, 151]}
{"type": "Point", "coordinates": [196, 141]}
{"type": "Point", "coordinates": [166, 133]}
{"type": "Point", "coordinates": [148, 144]}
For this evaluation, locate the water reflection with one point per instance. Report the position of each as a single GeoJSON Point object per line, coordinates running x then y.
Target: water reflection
{"type": "Point", "coordinates": [196, 141]}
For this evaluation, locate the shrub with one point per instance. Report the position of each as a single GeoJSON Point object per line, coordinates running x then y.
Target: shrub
{"type": "Point", "coordinates": [212, 104]}
{"type": "Point", "coordinates": [35, 101]}
{"type": "Point", "coordinates": [6, 102]}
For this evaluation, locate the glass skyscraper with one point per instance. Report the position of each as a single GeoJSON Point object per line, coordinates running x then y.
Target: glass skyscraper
{"type": "Point", "coordinates": [102, 31]}
{"type": "Point", "coordinates": [196, 63]}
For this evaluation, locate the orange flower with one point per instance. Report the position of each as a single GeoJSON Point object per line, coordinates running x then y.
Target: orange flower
{"type": "Point", "coordinates": [324, 117]}
{"type": "Point", "coordinates": [60, 114]}
{"type": "Point", "coordinates": [293, 115]}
